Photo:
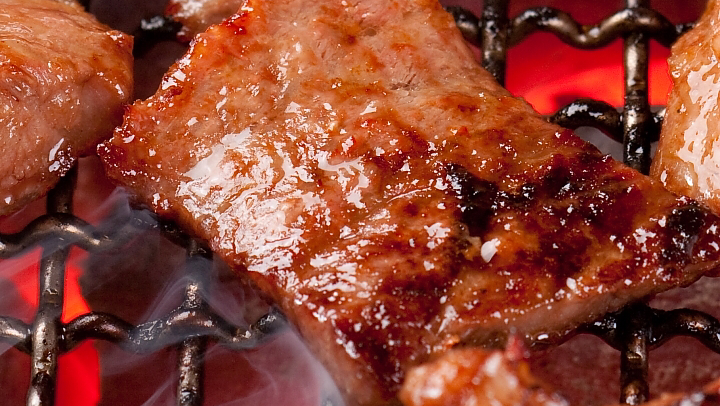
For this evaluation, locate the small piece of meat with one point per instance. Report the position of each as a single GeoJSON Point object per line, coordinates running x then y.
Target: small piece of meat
{"type": "Point", "coordinates": [64, 79]}
{"type": "Point", "coordinates": [688, 155]}
{"type": "Point", "coordinates": [476, 377]}
{"type": "Point", "coordinates": [197, 15]}
{"type": "Point", "coordinates": [355, 162]}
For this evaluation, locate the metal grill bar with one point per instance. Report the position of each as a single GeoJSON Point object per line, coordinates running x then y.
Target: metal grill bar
{"type": "Point", "coordinates": [190, 390]}
{"type": "Point", "coordinates": [634, 19]}
{"type": "Point", "coordinates": [151, 336]}
{"type": "Point", "coordinates": [637, 124]}
{"type": "Point", "coordinates": [634, 356]}
{"type": "Point", "coordinates": [494, 32]}
{"type": "Point", "coordinates": [46, 329]}
{"type": "Point", "coordinates": [636, 112]}
{"type": "Point", "coordinates": [190, 355]}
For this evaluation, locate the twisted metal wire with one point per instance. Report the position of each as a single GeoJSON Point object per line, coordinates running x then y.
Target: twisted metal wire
{"type": "Point", "coordinates": [181, 323]}
{"type": "Point", "coordinates": [603, 116]}
{"type": "Point", "coordinates": [634, 19]}
{"type": "Point", "coordinates": [190, 327]}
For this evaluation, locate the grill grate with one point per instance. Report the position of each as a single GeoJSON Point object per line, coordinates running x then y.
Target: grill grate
{"type": "Point", "coordinates": [633, 331]}
{"type": "Point", "coordinates": [637, 329]}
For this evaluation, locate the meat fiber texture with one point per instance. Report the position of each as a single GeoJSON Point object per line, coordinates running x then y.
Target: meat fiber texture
{"type": "Point", "coordinates": [64, 79]}
{"type": "Point", "coordinates": [353, 160]}
{"type": "Point", "coordinates": [688, 158]}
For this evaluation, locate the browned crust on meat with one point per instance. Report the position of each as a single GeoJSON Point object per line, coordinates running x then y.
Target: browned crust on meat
{"type": "Point", "coordinates": [354, 161]}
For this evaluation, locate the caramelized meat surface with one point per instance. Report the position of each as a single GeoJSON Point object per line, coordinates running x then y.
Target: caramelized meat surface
{"type": "Point", "coordinates": [475, 377]}
{"type": "Point", "coordinates": [64, 78]}
{"type": "Point", "coordinates": [197, 15]}
{"type": "Point", "coordinates": [688, 157]}
{"type": "Point", "coordinates": [354, 161]}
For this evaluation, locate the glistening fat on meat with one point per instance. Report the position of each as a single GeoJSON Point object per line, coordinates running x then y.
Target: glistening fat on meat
{"type": "Point", "coordinates": [353, 160]}
{"type": "Point", "coordinates": [688, 157]}
{"type": "Point", "coordinates": [64, 79]}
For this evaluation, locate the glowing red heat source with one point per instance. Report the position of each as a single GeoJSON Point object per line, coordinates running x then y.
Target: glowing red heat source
{"type": "Point", "coordinates": [550, 74]}
{"type": "Point", "coordinates": [559, 74]}
{"type": "Point", "coordinates": [78, 380]}
{"type": "Point", "coordinates": [78, 371]}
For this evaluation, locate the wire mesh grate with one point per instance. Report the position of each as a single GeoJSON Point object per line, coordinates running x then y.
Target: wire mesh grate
{"type": "Point", "coordinates": [191, 326]}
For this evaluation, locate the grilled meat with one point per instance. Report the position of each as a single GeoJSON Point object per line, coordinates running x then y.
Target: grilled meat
{"type": "Point", "coordinates": [354, 161]}
{"type": "Point", "coordinates": [197, 15]}
{"type": "Point", "coordinates": [63, 80]}
{"type": "Point", "coordinates": [477, 377]}
{"type": "Point", "coordinates": [686, 160]}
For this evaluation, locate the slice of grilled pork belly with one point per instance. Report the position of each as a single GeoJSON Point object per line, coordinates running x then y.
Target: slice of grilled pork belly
{"type": "Point", "coordinates": [64, 78]}
{"type": "Point", "coordinates": [688, 156]}
{"type": "Point", "coordinates": [197, 15]}
{"type": "Point", "coordinates": [355, 162]}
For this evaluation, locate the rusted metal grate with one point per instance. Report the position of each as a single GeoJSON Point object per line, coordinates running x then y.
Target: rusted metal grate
{"type": "Point", "coordinates": [633, 331]}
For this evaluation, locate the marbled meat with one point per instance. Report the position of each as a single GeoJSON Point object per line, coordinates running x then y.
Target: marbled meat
{"type": "Point", "coordinates": [688, 157]}
{"type": "Point", "coordinates": [64, 79]}
{"type": "Point", "coordinates": [355, 162]}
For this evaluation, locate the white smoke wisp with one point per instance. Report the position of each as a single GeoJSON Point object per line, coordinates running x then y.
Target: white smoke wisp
{"type": "Point", "coordinates": [145, 281]}
{"type": "Point", "coordinates": [281, 372]}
